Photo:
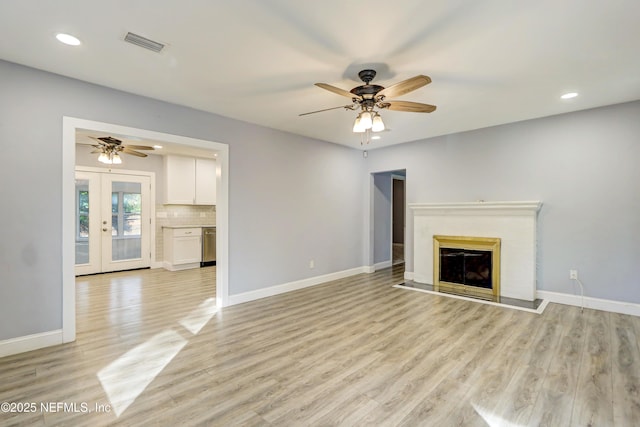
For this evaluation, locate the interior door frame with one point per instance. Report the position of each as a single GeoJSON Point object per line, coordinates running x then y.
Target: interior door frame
{"type": "Point", "coordinates": [396, 177]}
{"type": "Point", "coordinates": [68, 159]}
{"type": "Point", "coordinates": [152, 209]}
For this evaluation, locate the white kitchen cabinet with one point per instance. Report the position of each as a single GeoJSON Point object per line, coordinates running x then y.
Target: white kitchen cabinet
{"type": "Point", "coordinates": [179, 180]}
{"type": "Point", "coordinates": [189, 181]}
{"type": "Point", "coordinates": [205, 182]}
{"type": "Point", "coordinates": [182, 248]}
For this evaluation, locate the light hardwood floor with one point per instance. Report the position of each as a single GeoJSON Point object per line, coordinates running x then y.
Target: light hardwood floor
{"type": "Point", "coordinates": [356, 351]}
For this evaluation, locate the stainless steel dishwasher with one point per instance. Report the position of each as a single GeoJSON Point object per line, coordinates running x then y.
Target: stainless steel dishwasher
{"type": "Point", "coordinates": [208, 246]}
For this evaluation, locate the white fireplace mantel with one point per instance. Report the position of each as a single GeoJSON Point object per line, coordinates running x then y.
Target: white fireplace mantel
{"type": "Point", "coordinates": [477, 208]}
{"type": "Point", "coordinates": [514, 222]}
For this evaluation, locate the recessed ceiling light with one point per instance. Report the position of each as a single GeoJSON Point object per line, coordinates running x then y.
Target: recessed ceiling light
{"type": "Point", "coordinates": [375, 137]}
{"type": "Point", "coordinates": [68, 39]}
{"type": "Point", "coordinates": [569, 95]}
{"type": "Point", "coordinates": [157, 147]}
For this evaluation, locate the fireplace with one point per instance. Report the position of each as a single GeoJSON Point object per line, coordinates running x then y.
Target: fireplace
{"type": "Point", "coordinates": [467, 265]}
{"type": "Point", "coordinates": [514, 223]}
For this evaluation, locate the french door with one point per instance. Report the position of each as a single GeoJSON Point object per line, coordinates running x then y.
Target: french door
{"type": "Point", "coordinates": [112, 222]}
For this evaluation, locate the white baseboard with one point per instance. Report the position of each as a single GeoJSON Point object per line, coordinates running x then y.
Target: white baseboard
{"type": "Point", "coordinates": [383, 264]}
{"type": "Point", "coordinates": [589, 302]}
{"type": "Point", "coordinates": [30, 342]}
{"type": "Point", "coordinates": [293, 286]}
{"type": "Point", "coordinates": [408, 275]}
{"type": "Point", "coordinates": [179, 267]}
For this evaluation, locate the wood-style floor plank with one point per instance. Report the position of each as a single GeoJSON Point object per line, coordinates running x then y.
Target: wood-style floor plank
{"type": "Point", "coordinates": [356, 351]}
{"type": "Point", "coordinates": [593, 404]}
{"type": "Point", "coordinates": [626, 371]}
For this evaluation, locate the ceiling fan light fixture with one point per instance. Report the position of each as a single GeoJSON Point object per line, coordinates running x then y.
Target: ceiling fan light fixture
{"type": "Point", "coordinates": [366, 120]}
{"type": "Point", "coordinates": [116, 159]}
{"type": "Point", "coordinates": [377, 124]}
{"type": "Point", "coordinates": [357, 125]}
{"type": "Point", "coordinates": [104, 158]}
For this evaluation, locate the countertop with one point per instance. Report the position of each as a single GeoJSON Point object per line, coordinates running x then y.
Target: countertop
{"type": "Point", "coordinates": [188, 226]}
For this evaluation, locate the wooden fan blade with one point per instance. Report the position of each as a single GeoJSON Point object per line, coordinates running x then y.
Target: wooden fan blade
{"type": "Point", "coordinates": [99, 141]}
{"type": "Point", "coordinates": [139, 147]}
{"type": "Point", "coordinates": [133, 152]}
{"type": "Point", "coordinates": [337, 90]}
{"type": "Point", "coordinates": [414, 107]}
{"type": "Point", "coordinates": [404, 86]}
{"type": "Point", "coordinates": [348, 107]}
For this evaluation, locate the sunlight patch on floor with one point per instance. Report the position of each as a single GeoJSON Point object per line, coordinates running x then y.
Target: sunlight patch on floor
{"type": "Point", "coordinates": [126, 378]}
{"type": "Point", "coordinates": [198, 317]}
{"type": "Point", "coordinates": [493, 420]}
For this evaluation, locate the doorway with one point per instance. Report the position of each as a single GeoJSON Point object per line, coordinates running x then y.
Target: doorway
{"type": "Point", "coordinates": [388, 214]}
{"type": "Point", "coordinates": [397, 218]}
{"type": "Point", "coordinates": [113, 221]}
{"type": "Point", "coordinates": [70, 126]}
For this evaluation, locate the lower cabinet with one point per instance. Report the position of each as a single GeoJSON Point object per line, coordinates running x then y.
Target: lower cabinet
{"type": "Point", "coordinates": [182, 248]}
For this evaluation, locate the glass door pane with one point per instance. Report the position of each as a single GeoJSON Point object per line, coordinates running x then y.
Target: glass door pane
{"type": "Point", "coordinates": [126, 221]}
{"type": "Point", "coordinates": [82, 221]}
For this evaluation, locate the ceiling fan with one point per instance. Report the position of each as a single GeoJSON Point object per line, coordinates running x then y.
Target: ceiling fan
{"type": "Point", "coordinates": [368, 97]}
{"type": "Point", "coordinates": [110, 148]}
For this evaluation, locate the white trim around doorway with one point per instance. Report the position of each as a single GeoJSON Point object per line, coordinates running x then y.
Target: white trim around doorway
{"type": "Point", "coordinates": [69, 127]}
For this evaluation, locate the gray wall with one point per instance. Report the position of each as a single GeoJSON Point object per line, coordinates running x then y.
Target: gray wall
{"type": "Point", "coordinates": [291, 199]}
{"type": "Point", "coordinates": [584, 167]}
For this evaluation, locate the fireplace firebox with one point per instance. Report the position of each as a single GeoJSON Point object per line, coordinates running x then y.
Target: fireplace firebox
{"type": "Point", "coordinates": [467, 265]}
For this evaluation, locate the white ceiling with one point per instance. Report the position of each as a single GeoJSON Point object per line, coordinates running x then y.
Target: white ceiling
{"type": "Point", "coordinates": [491, 61]}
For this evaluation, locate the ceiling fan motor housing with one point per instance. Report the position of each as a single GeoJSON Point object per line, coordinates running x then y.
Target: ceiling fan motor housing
{"type": "Point", "coordinates": [367, 91]}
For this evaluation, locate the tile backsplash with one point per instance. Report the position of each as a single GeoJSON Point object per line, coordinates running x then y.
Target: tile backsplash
{"type": "Point", "coordinates": [181, 215]}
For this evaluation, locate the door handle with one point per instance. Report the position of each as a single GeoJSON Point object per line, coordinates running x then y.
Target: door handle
{"type": "Point", "coordinates": [104, 229]}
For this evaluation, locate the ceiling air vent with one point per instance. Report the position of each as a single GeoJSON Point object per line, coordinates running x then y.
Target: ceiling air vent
{"type": "Point", "coordinates": [143, 42]}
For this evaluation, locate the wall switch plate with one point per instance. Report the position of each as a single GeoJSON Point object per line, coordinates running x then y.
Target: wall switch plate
{"type": "Point", "coordinates": [573, 274]}
{"type": "Point", "coordinates": [312, 264]}
{"type": "Point", "coordinates": [203, 214]}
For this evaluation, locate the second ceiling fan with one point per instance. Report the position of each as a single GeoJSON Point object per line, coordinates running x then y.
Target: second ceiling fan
{"type": "Point", "coordinates": [109, 149]}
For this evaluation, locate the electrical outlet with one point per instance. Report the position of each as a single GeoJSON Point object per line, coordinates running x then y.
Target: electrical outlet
{"type": "Point", "coordinates": [312, 264]}
{"type": "Point", "coordinates": [203, 215]}
{"type": "Point", "coordinates": [573, 274]}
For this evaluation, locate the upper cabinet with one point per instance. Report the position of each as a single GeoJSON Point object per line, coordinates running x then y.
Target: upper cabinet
{"type": "Point", "coordinates": [189, 181]}
{"type": "Point", "coordinates": [205, 182]}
